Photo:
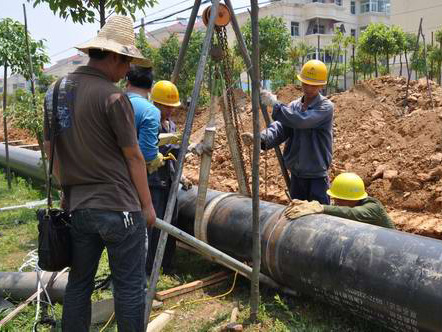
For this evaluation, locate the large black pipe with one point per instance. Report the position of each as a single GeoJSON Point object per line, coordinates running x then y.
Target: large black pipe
{"type": "Point", "coordinates": [387, 276]}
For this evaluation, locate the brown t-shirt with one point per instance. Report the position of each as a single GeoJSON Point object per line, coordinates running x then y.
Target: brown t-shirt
{"type": "Point", "coordinates": [94, 121]}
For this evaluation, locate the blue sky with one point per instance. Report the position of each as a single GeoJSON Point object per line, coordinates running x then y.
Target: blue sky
{"type": "Point", "coordinates": [62, 35]}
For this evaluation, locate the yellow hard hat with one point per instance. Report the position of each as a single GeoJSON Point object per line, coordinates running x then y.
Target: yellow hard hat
{"type": "Point", "coordinates": [166, 93]}
{"type": "Point", "coordinates": [314, 72]}
{"type": "Point", "coordinates": [347, 186]}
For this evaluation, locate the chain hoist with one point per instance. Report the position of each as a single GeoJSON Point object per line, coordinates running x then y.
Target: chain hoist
{"type": "Point", "coordinates": [226, 65]}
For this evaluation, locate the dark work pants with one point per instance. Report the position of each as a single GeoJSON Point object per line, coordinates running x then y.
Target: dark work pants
{"type": "Point", "coordinates": [310, 189]}
{"type": "Point", "coordinates": [159, 200]}
{"type": "Point", "coordinates": [93, 230]}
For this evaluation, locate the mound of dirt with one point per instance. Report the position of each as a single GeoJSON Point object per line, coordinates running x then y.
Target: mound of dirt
{"type": "Point", "coordinates": [397, 155]}
{"type": "Point", "coordinates": [15, 134]}
{"type": "Point", "coordinates": [396, 150]}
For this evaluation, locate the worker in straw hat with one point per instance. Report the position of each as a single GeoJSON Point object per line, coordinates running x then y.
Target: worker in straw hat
{"type": "Point", "coordinates": [305, 125]}
{"type": "Point", "coordinates": [351, 202]}
{"type": "Point", "coordinates": [103, 176]}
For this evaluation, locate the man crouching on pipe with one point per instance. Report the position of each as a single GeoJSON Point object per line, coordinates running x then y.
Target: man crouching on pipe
{"type": "Point", "coordinates": [351, 202]}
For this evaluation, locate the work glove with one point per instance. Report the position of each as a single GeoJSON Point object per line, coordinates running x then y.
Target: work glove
{"type": "Point", "coordinates": [298, 208]}
{"type": "Point", "coordinates": [268, 98]}
{"type": "Point", "coordinates": [185, 182]}
{"type": "Point", "coordinates": [153, 165]}
{"type": "Point", "coordinates": [199, 148]}
{"type": "Point", "coordinates": [170, 138]}
{"type": "Point", "coordinates": [247, 139]}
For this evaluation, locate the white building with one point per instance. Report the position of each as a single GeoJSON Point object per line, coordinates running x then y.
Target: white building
{"type": "Point", "coordinates": [407, 14]}
{"type": "Point", "coordinates": [156, 37]}
{"type": "Point", "coordinates": [67, 65]}
{"type": "Point", "coordinates": [314, 21]}
{"type": "Point", "coordinates": [15, 82]}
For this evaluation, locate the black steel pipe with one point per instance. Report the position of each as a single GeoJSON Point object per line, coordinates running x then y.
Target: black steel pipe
{"type": "Point", "coordinates": [387, 276]}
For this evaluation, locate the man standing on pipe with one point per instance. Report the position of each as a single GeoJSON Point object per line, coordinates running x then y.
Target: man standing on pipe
{"type": "Point", "coordinates": [351, 202]}
{"type": "Point", "coordinates": [103, 176]}
{"type": "Point", "coordinates": [306, 125]}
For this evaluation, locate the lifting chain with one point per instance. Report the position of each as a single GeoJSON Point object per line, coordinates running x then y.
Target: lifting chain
{"type": "Point", "coordinates": [227, 66]}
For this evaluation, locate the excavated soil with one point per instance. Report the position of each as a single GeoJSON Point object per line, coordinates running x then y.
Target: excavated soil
{"type": "Point", "coordinates": [396, 149]}
{"type": "Point", "coordinates": [15, 134]}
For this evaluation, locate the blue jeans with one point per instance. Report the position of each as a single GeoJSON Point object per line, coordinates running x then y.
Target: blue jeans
{"type": "Point", "coordinates": [310, 189]}
{"type": "Point", "coordinates": [92, 231]}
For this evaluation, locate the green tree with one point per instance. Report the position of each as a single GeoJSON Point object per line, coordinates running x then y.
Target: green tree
{"type": "Point", "coordinates": [44, 82]}
{"type": "Point", "coordinates": [377, 40]}
{"type": "Point", "coordinates": [142, 44]}
{"type": "Point", "coordinates": [22, 113]}
{"type": "Point", "coordinates": [274, 42]}
{"type": "Point", "coordinates": [410, 44]}
{"type": "Point", "coordinates": [85, 11]}
{"type": "Point", "coordinates": [438, 37]}
{"type": "Point", "coordinates": [167, 55]}
{"type": "Point", "coordinates": [13, 53]}
{"type": "Point", "coordinates": [14, 56]}
{"type": "Point", "coordinates": [398, 45]}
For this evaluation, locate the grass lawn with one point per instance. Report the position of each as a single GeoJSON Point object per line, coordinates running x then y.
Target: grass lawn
{"type": "Point", "coordinates": [277, 312]}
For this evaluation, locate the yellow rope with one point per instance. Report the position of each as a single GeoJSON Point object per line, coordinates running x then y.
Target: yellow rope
{"type": "Point", "coordinates": [108, 322]}
{"type": "Point", "coordinates": [209, 298]}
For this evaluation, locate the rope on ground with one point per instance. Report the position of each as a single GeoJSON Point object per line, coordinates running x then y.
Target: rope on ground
{"type": "Point", "coordinates": [209, 298]}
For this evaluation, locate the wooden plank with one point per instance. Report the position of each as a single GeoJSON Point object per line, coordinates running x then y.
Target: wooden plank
{"type": "Point", "coordinates": [192, 286]}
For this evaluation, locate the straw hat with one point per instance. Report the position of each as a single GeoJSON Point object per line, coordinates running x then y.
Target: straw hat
{"type": "Point", "coordinates": [117, 36]}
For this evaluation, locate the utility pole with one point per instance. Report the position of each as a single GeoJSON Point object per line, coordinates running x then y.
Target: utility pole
{"type": "Point", "coordinates": [256, 250]}
{"type": "Point", "coordinates": [5, 123]}
{"type": "Point", "coordinates": [34, 100]}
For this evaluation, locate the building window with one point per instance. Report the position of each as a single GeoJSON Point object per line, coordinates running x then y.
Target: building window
{"type": "Point", "coordinates": [294, 28]}
{"type": "Point", "coordinates": [353, 33]}
{"type": "Point", "coordinates": [338, 2]}
{"type": "Point", "coordinates": [361, 29]}
{"type": "Point", "coordinates": [14, 86]}
{"type": "Point", "coordinates": [319, 28]}
{"type": "Point", "coordinates": [320, 1]}
{"type": "Point", "coordinates": [353, 7]}
{"type": "Point", "coordinates": [375, 6]}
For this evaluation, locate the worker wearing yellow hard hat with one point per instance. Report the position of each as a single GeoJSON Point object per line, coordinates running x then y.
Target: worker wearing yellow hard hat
{"type": "Point", "coordinates": [166, 98]}
{"type": "Point", "coordinates": [306, 126]}
{"type": "Point", "coordinates": [351, 202]}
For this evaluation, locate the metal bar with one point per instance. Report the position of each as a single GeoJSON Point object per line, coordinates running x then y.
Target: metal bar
{"type": "Point", "coordinates": [217, 255]}
{"type": "Point", "coordinates": [206, 157]}
{"type": "Point", "coordinates": [5, 123]}
{"type": "Point", "coordinates": [185, 42]}
{"type": "Point", "coordinates": [185, 144]}
{"type": "Point", "coordinates": [256, 250]}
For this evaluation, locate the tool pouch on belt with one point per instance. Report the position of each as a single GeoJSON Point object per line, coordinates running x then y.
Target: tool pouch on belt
{"type": "Point", "coordinates": [54, 248]}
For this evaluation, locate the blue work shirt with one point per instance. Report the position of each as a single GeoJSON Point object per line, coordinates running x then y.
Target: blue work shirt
{"type": "Point", "coordinates": [308, 135]}
{"type": "Point", "coordinates": [147, 124]}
